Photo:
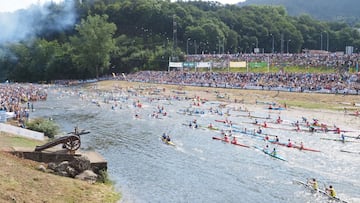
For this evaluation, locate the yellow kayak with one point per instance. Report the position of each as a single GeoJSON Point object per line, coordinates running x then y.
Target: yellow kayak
{"type": "Point", "coordinates": [167, 142]}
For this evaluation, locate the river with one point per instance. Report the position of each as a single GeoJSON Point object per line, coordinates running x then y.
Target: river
{"type": "Point", "coordinates": [198, 168]}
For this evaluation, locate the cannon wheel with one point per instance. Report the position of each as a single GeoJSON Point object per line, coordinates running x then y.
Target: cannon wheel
{"type": "Point", "coordinates": [72, 143]}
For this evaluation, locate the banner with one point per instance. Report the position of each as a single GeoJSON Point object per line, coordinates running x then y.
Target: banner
{"type": "Point", "coordinates": [240, 64]}
{"type": "Point", "coordinates": [189, 64]}
{"type": "Point", "coordinates": [258, 64]}
{"type": "Point", "coordinates": [175, 64]}
{"type": "Point", "coordinates": [203, 65]}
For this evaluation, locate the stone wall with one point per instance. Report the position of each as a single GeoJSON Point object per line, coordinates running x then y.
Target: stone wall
{"type": "Point", "coordinates": [22, 132]}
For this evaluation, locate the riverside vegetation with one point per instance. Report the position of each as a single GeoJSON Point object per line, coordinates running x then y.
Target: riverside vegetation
{"type": "Point", "coordinates": [20, 181]}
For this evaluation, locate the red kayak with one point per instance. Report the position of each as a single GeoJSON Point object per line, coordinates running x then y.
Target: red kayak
{"type": "Point", "coordinates": [295, 146]}
{"type": "Point", "coordinates": [222, 121]}
{"type": "Point", "coordinates": [228, 141]}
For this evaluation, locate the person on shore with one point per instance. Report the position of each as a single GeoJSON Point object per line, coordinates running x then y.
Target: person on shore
{"type": "Point", "coordinates": [314, 184]}
{"type": "Point", "coordinates": [331, 191]}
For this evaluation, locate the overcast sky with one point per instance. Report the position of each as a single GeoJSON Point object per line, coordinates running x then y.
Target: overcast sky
{"type": "Point", "coordinates": [12, 5]}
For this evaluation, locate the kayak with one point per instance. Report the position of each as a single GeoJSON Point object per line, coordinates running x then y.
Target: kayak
{"type": "Point", "coordinates": [352, 152]}
{"type": "Point", "coordinates": [210, 128]}
{"type": "Point", "coordinates": [319, 191]}
{"type": "Point", "coordinates": [228, 141]}
{"type": "Point", "coordinates": [294, 146]}
{"type": "Point", "coordinates": [276, 108]}
{"type": "Point", "coordinates": [167, 142]}
{"type": "Point", "coordinates": [270, 154]}
{"type": "Point", "coordinates": [335, 139]}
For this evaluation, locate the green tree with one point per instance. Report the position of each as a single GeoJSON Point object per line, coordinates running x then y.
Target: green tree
{"type": "Point", "coordinates": [94, 45]}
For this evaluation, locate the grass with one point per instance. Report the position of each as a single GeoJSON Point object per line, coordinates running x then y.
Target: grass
{"type": "Point", "coordinates": [20, 181]}
{"type": "Point", "coordinates": [14, 140]}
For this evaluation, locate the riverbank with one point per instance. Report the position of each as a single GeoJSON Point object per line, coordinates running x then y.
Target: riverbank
{"type": "Point", "coordinates": [22, 182]}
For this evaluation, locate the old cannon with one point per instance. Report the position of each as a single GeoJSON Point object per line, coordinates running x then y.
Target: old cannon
{"type": "Point", "coordinates": [71, 142]}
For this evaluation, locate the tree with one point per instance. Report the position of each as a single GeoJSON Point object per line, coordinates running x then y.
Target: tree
{"type": "Point", "coordinates": [93, 46]}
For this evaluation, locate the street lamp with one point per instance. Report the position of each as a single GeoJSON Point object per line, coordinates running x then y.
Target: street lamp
{"type": "Point", "coordinates": [327, 41]}
{"type": "Point", "coordinates": [321, 41]}
{"type": "Point", "coordinates": [273, 43]}
{"type": "Point", "coordinates": [195, 47]}
{"type": "Point", "coordinates": [187, 46]}
{"type": "Point", "coordinates": [287, 45]}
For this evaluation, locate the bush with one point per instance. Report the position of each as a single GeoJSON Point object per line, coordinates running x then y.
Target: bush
{"type": "Point", "coordinates": [48, 127]}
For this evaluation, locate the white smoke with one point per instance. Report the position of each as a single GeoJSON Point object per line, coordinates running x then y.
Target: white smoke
{"type": "Point", "coordinates": [25, 24]}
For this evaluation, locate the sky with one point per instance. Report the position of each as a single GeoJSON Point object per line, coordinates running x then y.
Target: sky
{"type": "Point", "coordinates": [12, 5]}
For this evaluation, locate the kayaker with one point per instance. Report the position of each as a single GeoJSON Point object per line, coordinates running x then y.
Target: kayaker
{"type": "Point", "coordinates": [164, 136]}
{"type": "Point", "coordinates": [289, 143]}
{"type": "Point", "coordinates": [265, 124]}
{"type": "Point", "coordinates": [210, 125]}
{"type": "Point", "coordinates": [314, 184]}
{"type": "Point", "coordinates": [266, 148]}
{"type": "Point", "coordinates": [277, 139]}
{"type": "Point", "coordinates": [278, 120]}
{"type": "Point", "coordinates": [226, 138]}
{"type": "Point", "coordinates": [256, 121]}
{"type": "Point", "coordinates": [342, 137]}
{"type": "Point", "coordinates": [274, 152]}
{"type": "Point", "coordinates": [168, 138]}
{"type": "Point", "coordinates": [331, 191]}
{"type": "Point", "coordinates": [234, 140]}
{"type": "Point", "coordinates": [301, 145]}
{"type": "Point", "coordinates": [337, 130]}
{"type": "Point", "coordinates": [259, 131]}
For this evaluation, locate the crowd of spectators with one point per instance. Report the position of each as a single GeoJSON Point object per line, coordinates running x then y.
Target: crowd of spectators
{"type": "Point", "coordinates": [13, 96]}
{"type": "Point", "coordinates": [295, 82]}
{"type": "Point", "coordinates": [340, 81]}
{"type": "Point", "coordinates": [335, 60]}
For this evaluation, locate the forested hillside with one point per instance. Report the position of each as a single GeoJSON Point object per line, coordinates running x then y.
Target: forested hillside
{"type": "Point", "coordinates": [87, 39]}
{"type": "Point", "coordinates": [326, 10]}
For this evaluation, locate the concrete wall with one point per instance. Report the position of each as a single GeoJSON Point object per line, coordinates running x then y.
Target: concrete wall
{"type": "Point", "coordinates": [22, 132]}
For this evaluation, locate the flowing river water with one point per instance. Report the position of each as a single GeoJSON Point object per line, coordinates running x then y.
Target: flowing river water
{"type": "Point", "coordinates": [198, 168]}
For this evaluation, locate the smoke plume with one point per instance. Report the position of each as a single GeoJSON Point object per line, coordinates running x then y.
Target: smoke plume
{"type": "Point", "coordinates": [37, 20]}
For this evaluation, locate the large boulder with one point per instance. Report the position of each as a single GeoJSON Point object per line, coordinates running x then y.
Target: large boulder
{"type": "Point", "coordinates": [80, 164]}
{"type": "Point", "coordinates": [87, 175]}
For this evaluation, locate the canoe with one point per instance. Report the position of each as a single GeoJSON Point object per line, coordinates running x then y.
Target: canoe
{"type": "Point", "coordinates": [336, 199]}
{"type": "Point", "coordinates": [237, 144]}
{"type": "Point", "coordinates": [293, 146]}
{"type": "Point", "coordinates": [167, 142]}
{"type": "Point", "coordinates": [270, 154]}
